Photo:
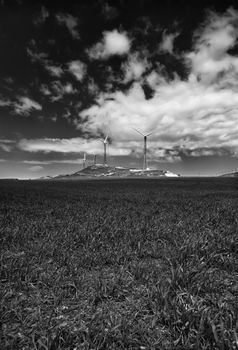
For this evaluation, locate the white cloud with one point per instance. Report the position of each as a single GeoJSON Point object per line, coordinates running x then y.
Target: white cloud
{"type": "Point", "coordinates": [113, 43]}
{"type": "Point", "coordinates": [161, 155]}
{"type": "Point", "coordinates": [93, 89]}
{"type": "Point", "coordinates": [6, 145]}
{"type": "Point", "coordinates": [93, 146]}
{"type": "Point", "coordinates": [78, 69]}
{"type": "Point", "coordinates": [42, 16]}
{"type": "Point", "coordinates": [74, 145]}
{"type": "Point", "coordinates": [35, 162]}
{"type": "Point", "coordinates": [25, 106]}
{"type": "Point", "coordinates": [212, 41]}
{"type": "Point", "coordinates": [9, 80]}
{"type": "Point", "coordinates": [36, 168]}
{"type": "Point", "coordinates": [116, 43]}
{"type": "Point", "coordinates": [44, 89]}
{"type": "Point", "coordinates": [70, 22]}
{"type": "Point", "coordinates": [33, 54]}
{"type": "Point", "coordinates": [5, 103]}
{"type": "Point", "coordinates": [177, 110]}
{"type": "Point", "coordinates": [5, 148]}
{"type": "Point", "coordinates": [154, 79]}
{"type": "Point", "coordinates": [109, 12]}
{"type": "Point", "coordinates": [134, 68]}
{"type": "Point", "coordinates": [54, 161]}
{"type": "Point", "coordinates": [204, 152]}
{"type": "Point", "coordinates": [55, 71]}
{"type": "Point", "coordinates": [167, 44]}
{"type": "Point", "coordinates": [41, 58]}
{"type": "Point", "coordinates": [202, 109]}
{"type": "Point", "coordinates": [59, 90]}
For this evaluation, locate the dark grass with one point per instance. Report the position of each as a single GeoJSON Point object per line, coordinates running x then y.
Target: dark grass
{"type": "Point", "coordinates": [119, 264]}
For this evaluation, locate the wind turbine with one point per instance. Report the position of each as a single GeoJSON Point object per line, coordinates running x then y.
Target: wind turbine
{"type": "Point", "coordinates": [104, 141]}
{"type": "Point", "coordinates": [183, 147]}
{"type": "Point", "coordinates": [145, 147]}
{"type": "Point", "coordinates": [84, 160]}
{"type": "Point", "coordinates": [94, 159]}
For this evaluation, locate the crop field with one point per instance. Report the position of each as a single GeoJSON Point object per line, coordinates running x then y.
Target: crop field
{"type": "Point", "coordinates": [119, 264]}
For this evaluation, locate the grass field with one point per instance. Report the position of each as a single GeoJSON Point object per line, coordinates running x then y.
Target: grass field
{"type": "Point", "coordinates": [119, 264]}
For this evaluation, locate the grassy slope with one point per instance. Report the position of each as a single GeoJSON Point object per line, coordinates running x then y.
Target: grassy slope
{"type": "Point", "coordinates": [126, 264]}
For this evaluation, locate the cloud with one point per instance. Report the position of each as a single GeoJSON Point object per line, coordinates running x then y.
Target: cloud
{"type": "Point", "coordinates": [44, 89]}
{"type": "Point", "coordinates": [70, 22]}
{"type": "Point", "coordinates": [77, 69]}
{"type": "Point", "coordinates": [134, 68]}
{"type": "Point", "coordinates": [35, 162]}
{"type": "Point", "coordinates": [54, 161]}
{"type": "Point", "coordinates": [34, 55]}
{"type": "Point", "coordinates": [36, 168]}
{"type": "Point", "coordinates": [6, 145]}
{"type": "Point", "coordinates": [113, 43]}
{"type": "Point", "coordinates": [205, 152]}
{"type": "Point", "coordinates": [93, 146]}
{"type": "Point", "coordinates": [55, 71]}
{"type": "Point", "coordinates": [41, 58]}
{"type": "Point", "coordinates": [167, 44]}
{"type": "Point", "coordinates": [154, 79]}
{"type": "Point", "coordinates": [212, 41]}
{"type": "Point", "coordinates": [204, 114]}
{"type": "Point", "coordinates": [202, 109]}
{"type": "Point", "coordinates": [51, 145]}
{"type": "Point", "coordinates": [5, 102]}
{"type": "Point", "coordinates": [73, 145]}
{"type": "Point", "coordinates": [93, 88]}
{"type": "Point", "coordinates": [109, 12]}
{"type": "Point", "coordinates": [42, 16]}
{"type": "Point", "coordinates": [25, 106]}
{"type": "Point", "coordinates": [59, 90]}
{"type": "Point", "coordinates": [159, 155]}
{"type": "Point", "coordinates": [9, 80]}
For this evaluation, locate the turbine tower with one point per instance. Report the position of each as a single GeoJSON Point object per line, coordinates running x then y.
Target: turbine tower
{"type": "Point", "coordinates": [104, 141]}
{"type": "Point", "coordinates": [145, 147]}
{"type": "Point", "coordinates": [84, 160]}
{"type": "Point", "coordinates": [94, 159]}
{"type": "Point", "coordinates": [183, 145]}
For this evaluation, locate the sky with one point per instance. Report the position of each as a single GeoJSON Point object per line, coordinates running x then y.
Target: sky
{"type": "Point", "coordinates": [74, 71]}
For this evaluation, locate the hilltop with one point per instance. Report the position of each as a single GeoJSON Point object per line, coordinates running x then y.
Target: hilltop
{"type": "Point", "coordinates": [100, 170]}
{"type": "Point", "coordinates": [235, 174]}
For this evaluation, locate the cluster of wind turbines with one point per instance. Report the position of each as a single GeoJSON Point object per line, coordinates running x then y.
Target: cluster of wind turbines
{"type": "Point", "coordinates": [105, 142]}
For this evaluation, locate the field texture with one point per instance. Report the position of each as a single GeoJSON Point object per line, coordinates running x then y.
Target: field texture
{"type": "Point", "coordinates": [128, 264]}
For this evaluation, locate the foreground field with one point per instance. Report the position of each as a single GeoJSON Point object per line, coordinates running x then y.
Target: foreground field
{"type": "Point", "coordinates": [115, 264]}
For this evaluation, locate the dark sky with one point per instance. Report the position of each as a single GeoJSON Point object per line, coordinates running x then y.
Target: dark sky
{"type": "Point", "coordinates": [73, 71]}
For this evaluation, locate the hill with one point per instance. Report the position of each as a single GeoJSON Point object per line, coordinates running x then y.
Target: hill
{"type": "Point", "coordinates": [100, 170]}
{"type": "Point", "coordinates": [235, 174]}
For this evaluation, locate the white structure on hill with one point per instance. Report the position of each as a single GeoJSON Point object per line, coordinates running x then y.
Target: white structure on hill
{"type": "Point", "coordinates": [104, 141]}
{"type": "Point", "coordinates": [145, 148]}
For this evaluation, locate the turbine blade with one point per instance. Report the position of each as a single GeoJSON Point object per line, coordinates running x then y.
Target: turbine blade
{"type": "Point", "coordinates": [149, 133]}
{"type": "Point", "coordinates": [105, 140]}
{"type": "Point", "coordinates": [138, 131]}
